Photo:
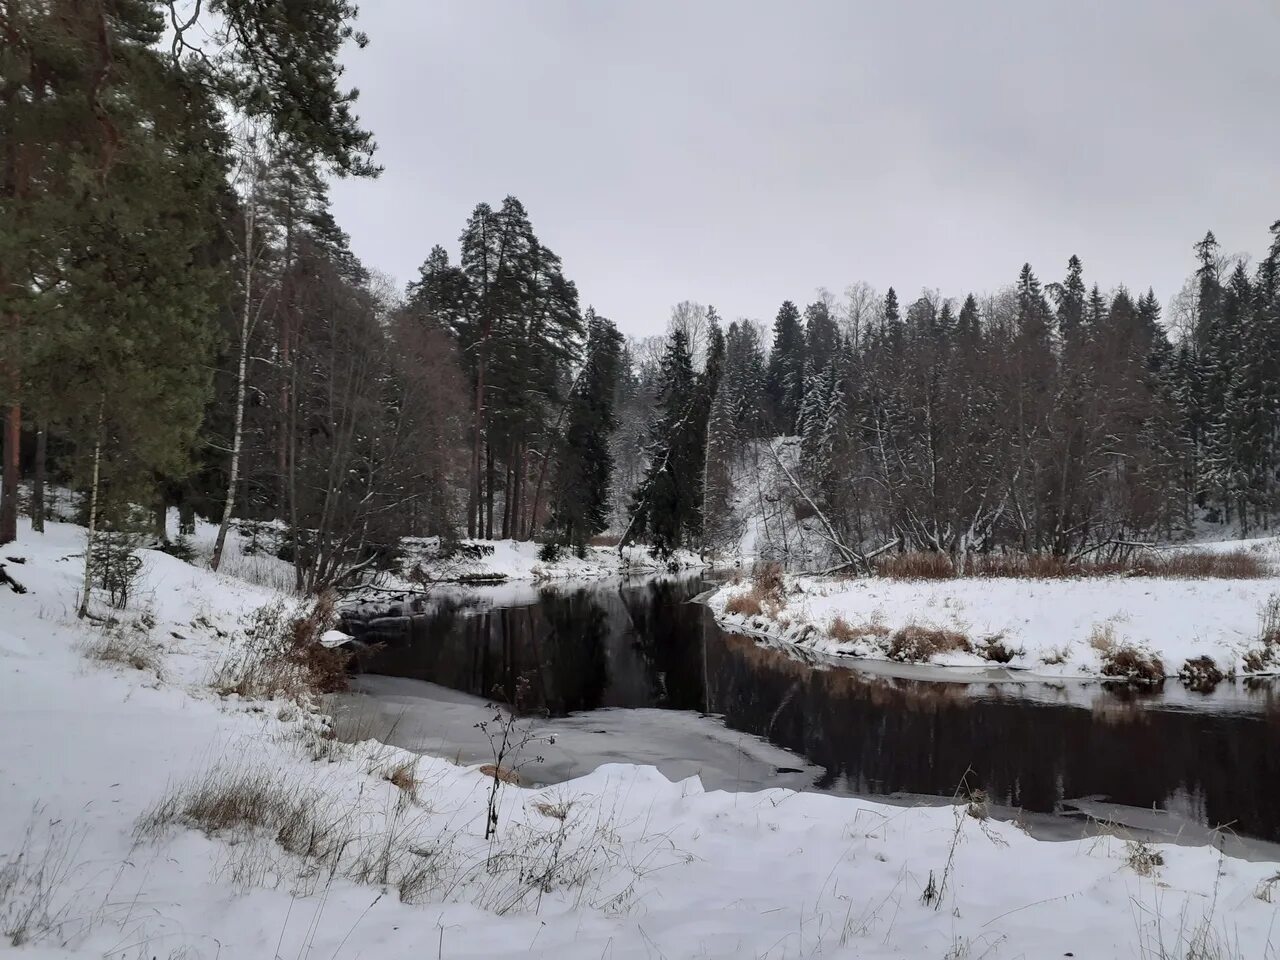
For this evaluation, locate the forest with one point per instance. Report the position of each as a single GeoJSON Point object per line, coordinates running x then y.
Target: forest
{"type": "Point", "coordinates": [185, 325]}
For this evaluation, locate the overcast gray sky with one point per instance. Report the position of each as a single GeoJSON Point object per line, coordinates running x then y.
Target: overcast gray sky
{"type": "Point", "coordinates": [740, 153]}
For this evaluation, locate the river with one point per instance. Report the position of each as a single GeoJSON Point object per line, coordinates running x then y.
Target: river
{"type": "Point", "coordinates": [637, 672]}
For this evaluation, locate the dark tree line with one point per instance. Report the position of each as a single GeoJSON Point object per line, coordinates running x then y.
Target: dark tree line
{"type": "Point", "coordinates": [1046, 418]}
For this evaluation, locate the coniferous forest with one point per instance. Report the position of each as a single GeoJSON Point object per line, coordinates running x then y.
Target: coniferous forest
{"type": "Point", "coordinates": [185, 325]}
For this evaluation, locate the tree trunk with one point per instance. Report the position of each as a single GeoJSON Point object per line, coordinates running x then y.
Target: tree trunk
{"type": "Point", "coordinates": [9, 484]}
{"type": "Point", "coordinates": [37, 480]}
{"type": "Point", "coordinates": [474, 525]}
{"type": "Point", "coordinates": [237, 435]}
{"type": "Point", "coordinates": [93, 518]}
{"type": "Point", "coordinates": [488, 493]}
{"type": "Point", "coordinates": [160, 517]}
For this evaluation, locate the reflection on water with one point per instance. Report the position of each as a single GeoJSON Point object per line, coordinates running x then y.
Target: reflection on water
{"type": "Point", "coordinates": [1214, 759]}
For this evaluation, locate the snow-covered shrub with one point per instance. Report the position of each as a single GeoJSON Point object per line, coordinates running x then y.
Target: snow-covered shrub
{"type": "Point", "coordinates": [1124, 662]}
{"type": "Point", "coordinates": [1200, 674]}
{"type": "Point", "coordinates": [918, 644]}
{"type": "Point", "coordinates": [280, 654]}
{"type": "Point", "coordinates": [997, 651]}
{"type": "Point", "coordinates": [1265, 658]}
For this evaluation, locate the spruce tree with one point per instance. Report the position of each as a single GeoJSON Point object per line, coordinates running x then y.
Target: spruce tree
{"type": "Point", "coordinates": [666, 505]}
{"type": "Point", "coordinates": [785, 375]}
{"type": "Point", "coordinates": [1070, 301]}
{"type": "Point", "coordinates": [581, 506]}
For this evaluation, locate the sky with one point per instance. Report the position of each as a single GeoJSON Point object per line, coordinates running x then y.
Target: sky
{"type": "Point", "coordinates": [740, 153]}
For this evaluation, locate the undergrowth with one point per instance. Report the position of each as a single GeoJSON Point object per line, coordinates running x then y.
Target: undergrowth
{"type": "Point", "coordinates": [1238, 564]}
{"type": "Point", "coordinates": [280, 654]}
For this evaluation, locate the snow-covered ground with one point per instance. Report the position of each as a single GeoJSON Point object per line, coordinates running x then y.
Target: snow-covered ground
{"type": "Point", "coordinates": [1052, 627]}
{"type": "Point", "coordinates": [619, 863]}
{"type": "Point", "coordinates": [488, 561]}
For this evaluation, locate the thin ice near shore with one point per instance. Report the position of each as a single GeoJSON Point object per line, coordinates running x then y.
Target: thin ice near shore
{"type": "Point", "coordinates": [619, 863]}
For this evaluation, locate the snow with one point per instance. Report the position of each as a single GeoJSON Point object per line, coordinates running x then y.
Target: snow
{"type": "Point", "coordinates": [621, 862]}
{"type": "Point", "coordinates": [503, 560]}
{"type": "Point", "coordinates": [1047, 623]}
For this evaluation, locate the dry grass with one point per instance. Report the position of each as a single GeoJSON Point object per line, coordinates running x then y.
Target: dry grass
{"type": "Point", "coordinates": [1142, 858]}
{"type": "Point", "coordinates": [1265, 658]}
{"type": "Point", "coordinates": [125, 646]}
{"type": "Point", "coordinates": [556, 811]}
{"type": "Point", "coordinates": [1124, 662]}
{"type": "Point", "coordinates": [36, 896]}
{"type": "Point", "coordinates": [765, 596]}
{"type": "Point", "coordinates": [402, 775]}
{"type": "Point", "coordinates": [917, 644]}
{"type": "Point", "coordinates": [279, 833]}
{"type": "Point", "coordinates": [228, 801]}
{"type": "Point", "coordinates": [844, 632]}
{"type": "Point", "coordinates": [744, 605]}
{"type": "Point", "coordinates": [503, 774]}
{"type": "Point", "coordinates": [1103, 638]}
{"type": "Point", "coordinates": [1177, 564]}
{"type": "Point", "coordinates": [914, 565]}
{"type": "Point", "coordinates": [281, 655]}
{"type": "Point", "coordinates": [1237, 564]}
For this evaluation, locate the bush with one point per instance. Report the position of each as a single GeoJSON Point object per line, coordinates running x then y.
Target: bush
{"type": "Point", "coordinates": [550, 552]}
{"type": "Point", "coordinates": [1265, 658]}
{"type": "Point", "coordinates": [461, 550]}
{"type": "Point", "coordinates": [1201, 674]}
{"type": "Point", "coordinates": [1131, 665]}
{"type": "Point", "coordinates": [917, 644]}
{"type": "Point", "coordinates": [766, 595]}
{"type": "Point", "coordinates": [997, 651]}
{"type": "Point", "coordinates": [744, 605]}
{"type": "Point", "coordinates": [114, 567]}
{"type": "Point", "coordinates": [842, 631]}
{"type": "Point", "coordinates": [281, 654]}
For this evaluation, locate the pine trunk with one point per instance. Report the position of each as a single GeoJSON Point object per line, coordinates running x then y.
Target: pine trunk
{"type": "Point", "coordinates": [93, 518]}
{"type": "Point", "coordinates": [9, 484]}
{"type": "Point", "coordinates": [488, 493]}
{"type": "Point", "coordinates": [38, 479]}
{"type": "Point", "coordinates": [477, 437]}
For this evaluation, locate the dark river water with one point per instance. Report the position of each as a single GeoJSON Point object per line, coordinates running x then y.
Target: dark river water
{"type": "Point", "coordinates": [1069, 748]}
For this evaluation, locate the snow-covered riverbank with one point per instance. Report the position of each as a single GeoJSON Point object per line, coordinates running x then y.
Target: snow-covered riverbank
{"type": "Point", "coordinates": [428, 561]}
{"type": "Point", "coordinates": [111, 848]}
{"type": "Point", "coordinates": [1051, 627]}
